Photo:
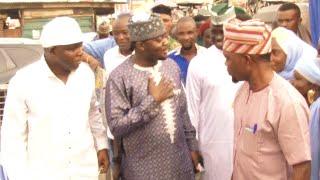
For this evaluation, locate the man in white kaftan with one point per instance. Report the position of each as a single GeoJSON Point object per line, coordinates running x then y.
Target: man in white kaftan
{"type": "Point", "coordinates": [52, 128]}
{"type": "Point", "coordinates": [210, 95]}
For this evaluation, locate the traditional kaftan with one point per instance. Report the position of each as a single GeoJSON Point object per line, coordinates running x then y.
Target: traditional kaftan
{"type": "Point", "coordinates": [271, 131]}
{"type": "Point", "coordinates": [157, 139]}
{"type": "Point", "coordinates": [210, 93]}
{"type": "Point", "coordinates": [51, 130]}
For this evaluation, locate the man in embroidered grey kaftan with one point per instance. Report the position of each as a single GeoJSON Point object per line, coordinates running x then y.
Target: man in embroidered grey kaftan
{"type": "Point", "coordinates": [157, 136]}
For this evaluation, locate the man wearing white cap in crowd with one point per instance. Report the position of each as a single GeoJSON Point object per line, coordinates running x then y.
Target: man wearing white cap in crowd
{"type": "Point", "coordinates": [52, 128]}
{"type": "Point", "coordinates": [148, 111]}
{"type": "Point", "coordinates": [271, 130]}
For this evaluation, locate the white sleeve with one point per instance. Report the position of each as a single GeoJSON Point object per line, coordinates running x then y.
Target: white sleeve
{"type": "Point", "coordinates": [105, 58]}
{"type": "Point", "coordinates": [96, 124]}
{"type": "Point", "coordinates": [193, 93]}
{"type": "Point", "coordinates": [14, 131]}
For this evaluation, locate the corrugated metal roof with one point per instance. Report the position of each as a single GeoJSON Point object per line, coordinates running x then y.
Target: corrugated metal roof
{"type": "Point", "coordinates": [53, 1]}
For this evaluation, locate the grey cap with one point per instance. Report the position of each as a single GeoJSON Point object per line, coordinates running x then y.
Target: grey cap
{"type": "Point", "coordinates": [145, 27]}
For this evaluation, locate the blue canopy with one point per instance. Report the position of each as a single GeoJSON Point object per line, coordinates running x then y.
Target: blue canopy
{"type": "Point", "coordinates": [314, 10]}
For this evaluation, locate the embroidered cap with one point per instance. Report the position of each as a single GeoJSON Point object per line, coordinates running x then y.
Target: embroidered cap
{"type": "Point", "coordinates": [247, 37]}
{"type": "Point", "coordinates": [145, 26]}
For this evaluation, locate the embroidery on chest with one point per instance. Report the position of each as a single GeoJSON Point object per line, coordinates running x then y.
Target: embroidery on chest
{"type": "Point", "coordinates": [168, 110]}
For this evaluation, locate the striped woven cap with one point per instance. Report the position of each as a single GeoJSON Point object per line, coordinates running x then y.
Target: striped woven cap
{"type": "Point", "coordinates": [247, 37]}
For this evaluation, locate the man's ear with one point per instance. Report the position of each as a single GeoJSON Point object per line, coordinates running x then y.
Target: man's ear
{"type": "Point", "coordinates": [248, 59]}
{"type": "Point", "coordinates": [49, 50]}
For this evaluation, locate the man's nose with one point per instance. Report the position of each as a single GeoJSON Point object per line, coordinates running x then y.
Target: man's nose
{"type": "Point", "coordinates": [79, 51]}
{"type": "Point", "coordinates": [121, 36]}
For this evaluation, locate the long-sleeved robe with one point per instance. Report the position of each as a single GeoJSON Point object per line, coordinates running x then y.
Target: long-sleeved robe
{"type": "Point", "coordinates": [156, 139]}
{"type": "Point", "coordinates": [51, 130]}
{"type": "Point", "coordinates": [210, 93]}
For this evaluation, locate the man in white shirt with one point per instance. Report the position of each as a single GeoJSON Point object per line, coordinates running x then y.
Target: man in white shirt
{"type": "Point", "coordinates": [210, 94]}
{"type": "Point", "coordinates": [52, 128]}
{"type": "Point", "coordinates": [118, 54]}
{"type": "Point", "coordinates": [186, 34]}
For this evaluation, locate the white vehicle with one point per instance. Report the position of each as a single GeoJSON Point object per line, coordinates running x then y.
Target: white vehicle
{"type": "Point", "coordinates": [15, 53]}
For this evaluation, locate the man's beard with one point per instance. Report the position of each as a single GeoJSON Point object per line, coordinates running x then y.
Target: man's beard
{"type": "Point", "coordinates": [187, 48]}
{"type": "Point", "coordinates": [234, 80]}
{"type": "Point", "coordinates": [162, 58]}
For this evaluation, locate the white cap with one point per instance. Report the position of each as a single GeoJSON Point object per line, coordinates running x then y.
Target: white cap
{"type": "Point", "coordinates": [61, 31]}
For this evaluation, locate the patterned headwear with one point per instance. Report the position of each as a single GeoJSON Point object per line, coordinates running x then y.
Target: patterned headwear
{"type": "Point", "coordinates": [247, 37]}
{"type": "Point", "coordinates": [144, 26]}
{"type": "Point", "coordinates": [221, 13]}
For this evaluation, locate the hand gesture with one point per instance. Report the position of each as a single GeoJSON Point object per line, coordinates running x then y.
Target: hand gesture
{"type": "Point", "coordinates": [162, 91]}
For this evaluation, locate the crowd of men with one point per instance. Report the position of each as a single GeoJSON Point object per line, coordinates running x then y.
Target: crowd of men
{"type": "Point", "coordinates": [225, 98]}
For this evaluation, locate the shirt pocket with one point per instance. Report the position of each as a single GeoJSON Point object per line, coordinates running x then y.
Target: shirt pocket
{"type": "Point", "coordinates": [251, 143]}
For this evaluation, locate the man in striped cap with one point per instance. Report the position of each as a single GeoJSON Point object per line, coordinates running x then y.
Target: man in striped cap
{"type": "Point", "coordinates": [271, 117]}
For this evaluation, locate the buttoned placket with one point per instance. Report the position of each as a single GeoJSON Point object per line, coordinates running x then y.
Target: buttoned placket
{"type": "Point", "coordinates": [66, 94]}
{"type": "Point", "coordinates": [69, 121]}
{"type": "Point", "coordinates": [242, 121]}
